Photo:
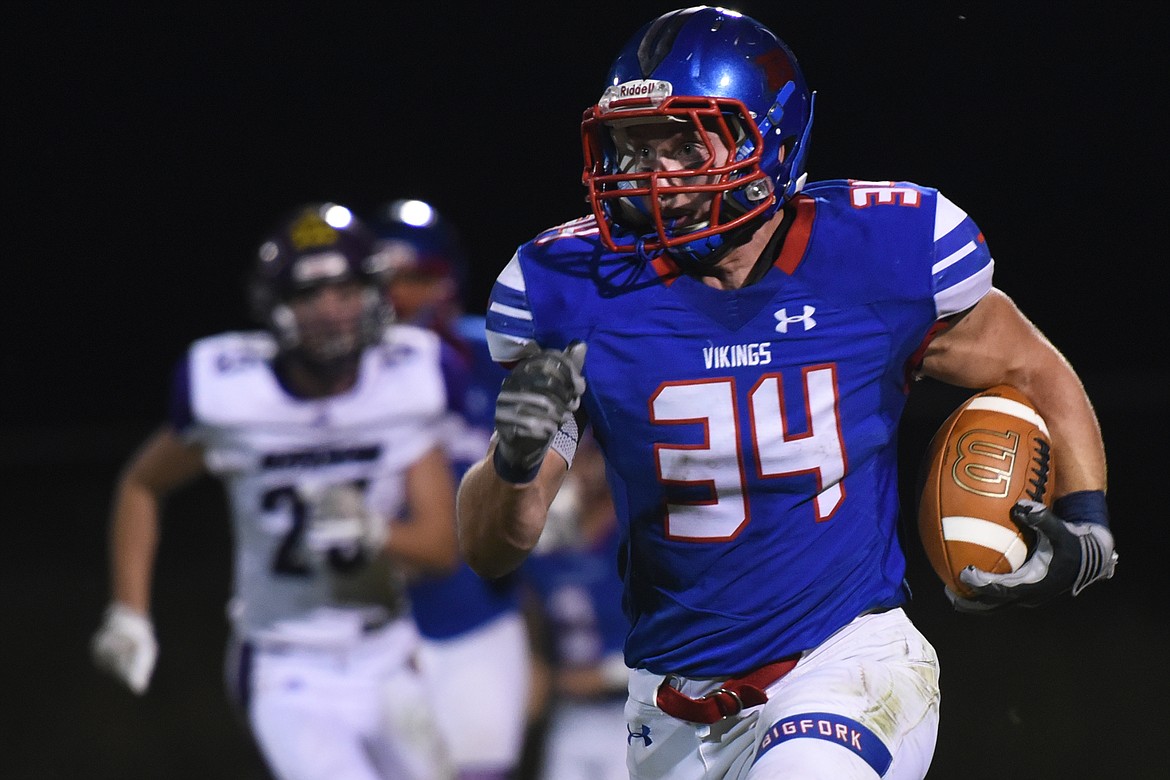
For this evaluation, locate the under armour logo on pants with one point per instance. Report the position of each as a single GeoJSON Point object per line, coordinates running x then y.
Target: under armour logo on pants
{"type": "Point", "coordinates": [643, 735]}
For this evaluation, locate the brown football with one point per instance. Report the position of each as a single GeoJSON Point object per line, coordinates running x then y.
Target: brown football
{"type": "Point", "coordinates": [990, 453]}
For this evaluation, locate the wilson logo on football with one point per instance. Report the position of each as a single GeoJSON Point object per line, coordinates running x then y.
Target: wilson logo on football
{"type": "Point", "coordinates": [985, 462]}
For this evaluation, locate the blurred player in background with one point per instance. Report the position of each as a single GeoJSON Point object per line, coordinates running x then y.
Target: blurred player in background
{"type": "Point", "coordinates": [323, 428]}
{"type": "Point", "coordinates": [573, 574]}
{"type": "Point", "coordinates": [742, 346]}
{"type": "Point", "coordinates": [476, 648]}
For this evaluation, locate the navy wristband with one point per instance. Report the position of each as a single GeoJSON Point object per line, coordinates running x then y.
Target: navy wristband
{"type": "Point", "coordinates": [514, 474]}
{"type": "Point", "coordinates": [1083, 506]}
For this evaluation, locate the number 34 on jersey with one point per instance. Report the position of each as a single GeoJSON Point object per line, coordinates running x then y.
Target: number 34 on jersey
{"type": "Point", "coordinates": [719, 461]}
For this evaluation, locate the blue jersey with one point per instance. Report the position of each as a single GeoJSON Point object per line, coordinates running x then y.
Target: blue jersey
{"type": "Point", "coordinates": [448, 606]}
{"type": "Point", "coordinates": [479, 406]}
{"type": "Point", "coordinates": [750, 434]}
{"type": "Point", "coordinates": [581, 598]}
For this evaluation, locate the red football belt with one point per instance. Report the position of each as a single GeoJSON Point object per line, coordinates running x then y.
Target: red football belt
{"type": "Point", "coordinates": [731, 698]}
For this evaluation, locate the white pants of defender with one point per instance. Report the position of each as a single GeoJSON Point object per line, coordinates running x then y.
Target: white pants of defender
{"type": "Point", "coordinates": [480, 682]}
{"type": "Point", "coordinates": [359, 712]}
{"type": "Point", "coordinates": [878, 671]}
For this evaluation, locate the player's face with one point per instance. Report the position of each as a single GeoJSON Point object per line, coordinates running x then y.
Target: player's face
{"type": "Point", "coordinates": [329, 320]}
{"type": "Point", "coordinates": [666, 147]}
{"type": "Point", "coordinates": [413, 294]}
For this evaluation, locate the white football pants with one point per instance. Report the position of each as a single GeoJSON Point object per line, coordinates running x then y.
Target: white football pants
{"type": "Point", "coordinates": [480, 682]}
{"type": "Point", "coordinates": [862, 705]}
{"type": "Point", "coordinates": [359, 712]}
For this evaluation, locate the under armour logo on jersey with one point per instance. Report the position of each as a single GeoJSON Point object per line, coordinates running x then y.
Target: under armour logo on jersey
{"type": "Point", "coordinates": [783, 320]}
{"type": "Point", "coordinates": [643, 735]}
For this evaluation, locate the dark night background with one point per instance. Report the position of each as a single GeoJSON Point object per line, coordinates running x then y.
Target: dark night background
{"type": "Point", "coordinates": [146, 150]}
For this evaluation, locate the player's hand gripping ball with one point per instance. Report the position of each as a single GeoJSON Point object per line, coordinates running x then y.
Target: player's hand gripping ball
{"type": "Point", "coordinates": [993, 451]}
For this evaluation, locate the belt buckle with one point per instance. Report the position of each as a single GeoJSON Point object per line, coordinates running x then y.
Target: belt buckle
{"type": "Point", "coordinates": [725, 711]}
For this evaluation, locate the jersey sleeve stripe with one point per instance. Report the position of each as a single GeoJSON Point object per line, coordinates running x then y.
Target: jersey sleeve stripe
{"type": "Point", "coordinates": [965, 293]}
{"type": "Point", "coordinates": [947, 216]}
{"type": "Point", "coordinates": [962, 271]}
{"type": "Point", "coordinates": [512, 276]}
{"type": "Point", "coordinates": [510, 311]}
{"type": "Point", "coordinates": [953, 258]}
{"type": "Point", "coordinates": [508, 322]}
{"type": "Point", "coordinates": [509, 296]}
{"type": "Point", "coordinates": [506, 319]}
{"type": "Point", "coordinates": [962, 234]}
{"type": "Point", "coordinates": [507, 349]}
{"type": "Point", "coordinates": [972, 264]}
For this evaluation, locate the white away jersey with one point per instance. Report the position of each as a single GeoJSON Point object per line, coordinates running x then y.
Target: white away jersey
{"type": "Point", "coordinates": [272, 450]}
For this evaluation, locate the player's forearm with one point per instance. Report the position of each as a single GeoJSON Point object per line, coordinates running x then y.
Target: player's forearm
{"type": "Point", "coordinates": [163, 463]}
{"type": "Point", "coordinates": [426, 538]}
{"type": "Point", "coordinates": [1078, 451]}
{"type": "Point", "coordinates": [1030, 363]}
{"type": "Point", "coordinates": [133, 540]}
{"type": "Point", "coordinates": [426, 547]}
{"type": "Point", "coordinates": [996, 344]}
{"type": "Point", "coordinates": [499, 521]}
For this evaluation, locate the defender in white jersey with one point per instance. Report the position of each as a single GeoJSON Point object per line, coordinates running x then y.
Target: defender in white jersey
{"type": "Point", "coordinates": [742, 346]}
{"type": "Point", "coordinates": [324, 429]}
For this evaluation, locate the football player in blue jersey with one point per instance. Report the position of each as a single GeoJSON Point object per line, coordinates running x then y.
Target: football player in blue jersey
{"type": "Point", "coordinates": [581, 627]}
{"type": "Point", "coordinates": [324, 429]}
{"type": "Point", "coordinates": [742, 343]}
{"type": "Point", "coordinates": [475, 640]}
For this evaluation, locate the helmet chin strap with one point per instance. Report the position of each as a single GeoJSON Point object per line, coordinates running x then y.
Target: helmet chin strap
{"type": "Point", "coordinates": [703, 253]}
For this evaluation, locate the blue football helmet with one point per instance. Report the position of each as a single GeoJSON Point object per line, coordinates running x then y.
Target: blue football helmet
{"type": "Point", "coordinates": [427, 267]}
{"type": "Point", "coordinates": [318, 244]}
{"type": "Point", "coordinates": [719, 71]}
{"type": "Point", "coordinates": [416, 239]}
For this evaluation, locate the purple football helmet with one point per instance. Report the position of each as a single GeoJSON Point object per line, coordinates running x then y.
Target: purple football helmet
{"type": "Point", "coordinates": [318, 244]}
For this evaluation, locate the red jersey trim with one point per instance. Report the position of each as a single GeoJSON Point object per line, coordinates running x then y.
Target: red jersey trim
{"type": "Point", "coordinates": [791, 254]}
{"type": "Point", "coordinates": [796, 242]}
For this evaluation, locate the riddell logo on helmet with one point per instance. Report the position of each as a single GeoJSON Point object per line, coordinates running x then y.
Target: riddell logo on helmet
{"type": "Point", "coordinates": [642, 88]}
{"type": "Point", "coordinates": [635, 94]}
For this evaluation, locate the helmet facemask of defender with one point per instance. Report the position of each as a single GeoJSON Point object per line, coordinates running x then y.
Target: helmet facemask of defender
{"type": "Point", "coordinates": [317, 287]}
{"type": "Point", "coordinates": [718, 76]}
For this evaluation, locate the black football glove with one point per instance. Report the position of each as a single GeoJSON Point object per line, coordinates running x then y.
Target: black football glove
{"type": "Point", "coordinates": [1067, 556]}
{"type": "Point", "coordinates": [536, 398]}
